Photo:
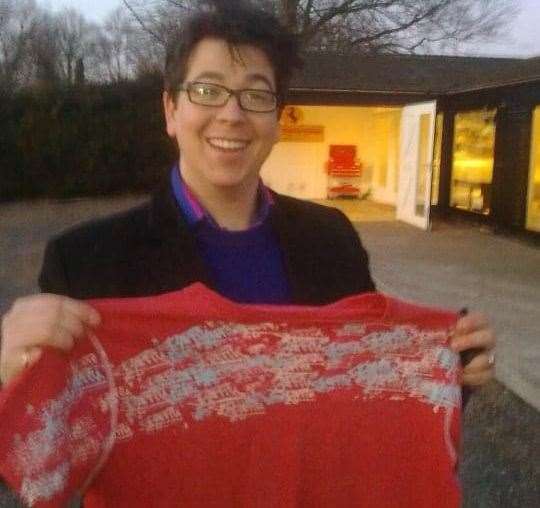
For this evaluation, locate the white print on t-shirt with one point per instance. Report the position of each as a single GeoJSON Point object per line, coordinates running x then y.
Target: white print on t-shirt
{"type": "Point", "coordinates": [58, 431]}
{"type": "Point", "coordinates": [237, 370]}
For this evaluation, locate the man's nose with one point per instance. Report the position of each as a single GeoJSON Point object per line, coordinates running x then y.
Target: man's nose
{"type": "Point", "coordinates": [231, 110]}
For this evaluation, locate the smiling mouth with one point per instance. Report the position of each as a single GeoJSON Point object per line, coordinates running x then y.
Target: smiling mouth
{"type": "Point", "coordinates": [229, 145]}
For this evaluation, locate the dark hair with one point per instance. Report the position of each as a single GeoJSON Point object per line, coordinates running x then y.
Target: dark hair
{"type": "Point", "coordinates": [236, 24]}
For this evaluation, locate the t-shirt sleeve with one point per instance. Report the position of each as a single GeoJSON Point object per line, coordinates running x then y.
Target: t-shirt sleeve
{"type": "Point", "coordinates": [56, 426]}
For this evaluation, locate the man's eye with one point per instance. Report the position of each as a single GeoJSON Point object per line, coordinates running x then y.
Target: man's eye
{"type": "Point", "coordinates": [207, 91]}
{"type": "Point", "coordinates": [256, 96]}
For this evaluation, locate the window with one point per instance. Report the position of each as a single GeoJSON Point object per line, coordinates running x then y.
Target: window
{"type": "Point", "coordinates": [423, 158]}
{"type": "Point", "coordinates": [437, 152]}
{"type": "Point", "coordinates": [472, 166]}
{"type": "Point", "coordinates": [533, 198]}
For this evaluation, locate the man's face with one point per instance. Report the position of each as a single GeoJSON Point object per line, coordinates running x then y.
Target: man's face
{"type": "Point", "coordinates": [223, 147]}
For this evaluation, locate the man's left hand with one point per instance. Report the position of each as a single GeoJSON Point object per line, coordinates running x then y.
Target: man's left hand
{"type": "Point", "coordinates": [473, 332]}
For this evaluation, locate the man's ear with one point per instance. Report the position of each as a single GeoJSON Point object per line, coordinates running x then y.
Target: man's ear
{"type": "Point", "coordinates": [169, 109]}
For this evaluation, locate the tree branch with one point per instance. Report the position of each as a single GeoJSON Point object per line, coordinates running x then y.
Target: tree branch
{"type": "Point", "coordinates": [142, 23]}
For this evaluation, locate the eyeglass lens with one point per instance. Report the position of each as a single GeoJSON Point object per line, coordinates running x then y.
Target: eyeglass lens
{"type": "Point", "coordinates": [208, 94]}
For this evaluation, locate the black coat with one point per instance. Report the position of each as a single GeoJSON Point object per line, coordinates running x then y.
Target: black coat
{"type": "Point", "coordinates": [149, 250]}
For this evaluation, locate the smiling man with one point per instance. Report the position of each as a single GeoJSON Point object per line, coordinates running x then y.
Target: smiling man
{"type": "Point", "coordinates": [224, 119]}
{"type": "Point", "coordinates": [213, 220]}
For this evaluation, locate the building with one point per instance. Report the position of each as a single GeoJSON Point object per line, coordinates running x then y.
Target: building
{"type": "Point", "coordinates": [433, 135]}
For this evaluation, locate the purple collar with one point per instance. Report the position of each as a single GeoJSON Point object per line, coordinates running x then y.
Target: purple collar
{"type": "Point", "coordinates": [194, 211]}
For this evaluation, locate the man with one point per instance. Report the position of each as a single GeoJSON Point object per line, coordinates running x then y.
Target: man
{"type": "Point", "coordinates": [225, 83]}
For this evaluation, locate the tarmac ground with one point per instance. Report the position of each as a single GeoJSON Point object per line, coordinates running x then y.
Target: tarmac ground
{"type": "Point", "coordinates": [451, 266]}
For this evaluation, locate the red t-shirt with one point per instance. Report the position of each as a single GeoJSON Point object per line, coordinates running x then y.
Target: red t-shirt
{"type": "Point", "coordinates": [189, 399]}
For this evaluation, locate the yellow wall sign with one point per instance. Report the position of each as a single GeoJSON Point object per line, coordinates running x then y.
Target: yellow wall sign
{"type": "Point", "coordinates": [293, 130]}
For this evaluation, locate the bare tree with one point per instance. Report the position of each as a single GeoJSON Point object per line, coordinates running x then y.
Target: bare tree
{"type": "Point", "coordinates": [158, 18]}
{"type": "Point", "coordinates": [361, 25]}
{"type": "Point", "coordinates": [128, 47]}
{"type": "Point", "coordinates": [75, 41]}
{"type": "Point", "coordinates": [19, 20]}
{"type": "Point", "coordinates": [49, 48]}
{"type": "Point", "coordinates": [37, 46]}
{"type": "Point", "coordinates": [405, 26]}
{"type": "Point", "coordinates": [111, 55]}
{"type": "Point", "coordinates": [44, 52]}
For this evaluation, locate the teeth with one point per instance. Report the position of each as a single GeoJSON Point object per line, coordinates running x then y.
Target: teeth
{"type": "Point", "coordinates": [227, 144]}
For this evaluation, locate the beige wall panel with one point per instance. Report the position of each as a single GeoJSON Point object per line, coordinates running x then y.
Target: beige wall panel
{"type": "Point", "coordinates": [298, 169]}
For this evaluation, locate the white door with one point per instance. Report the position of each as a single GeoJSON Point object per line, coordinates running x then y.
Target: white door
{"type": "Point", "coordinates": [415, 159]}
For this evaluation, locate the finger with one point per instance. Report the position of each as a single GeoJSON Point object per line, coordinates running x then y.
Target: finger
{"type": "Point", "coordinates": [477, 379]}
{"type": "Point", "coordinates": [73, 325]}
{"type": "Point", "coordinates": [471, 322]}
{"type": "Point", "coordinates": [61, 338]}
{"type": "Point", "coordinates": [82, 310]}
{"type": "Point", "coordinates": [39, 304]}
{"type": "Point", "coordinates": [48, 321]}
{"type": "Point", "coordinates": [481, 339]}
{"type": "Point", "coordinates": [44, 309]}
{"type": "Point", "coordinates": [479, 364]}
{"type": "Point", "coordinates": [66, 331]}
{"type": "Point", "coordinates": [20, 334]}
{"type": "Point", "coordinates": [24, 360]}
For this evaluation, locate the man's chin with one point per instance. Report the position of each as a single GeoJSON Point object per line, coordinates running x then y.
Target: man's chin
{"type": "Point", "coordinates": [231, 180]}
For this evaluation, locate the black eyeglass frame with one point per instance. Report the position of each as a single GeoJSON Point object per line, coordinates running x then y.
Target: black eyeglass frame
{"type": "Point", "coordinates": [230, 92]}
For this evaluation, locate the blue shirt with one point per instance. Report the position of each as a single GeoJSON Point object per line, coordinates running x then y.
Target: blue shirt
{"type": "Point", "coordinates": [244, 266]}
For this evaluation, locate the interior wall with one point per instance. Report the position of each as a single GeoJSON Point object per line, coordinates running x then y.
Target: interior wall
{"type": "Point", "coordinates": [385, 139]}
{"type": "Point", "coordinates": [298, 168]}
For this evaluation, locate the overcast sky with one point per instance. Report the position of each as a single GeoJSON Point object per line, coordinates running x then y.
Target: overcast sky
{"type": "Point", "coordinates": [523, 37]}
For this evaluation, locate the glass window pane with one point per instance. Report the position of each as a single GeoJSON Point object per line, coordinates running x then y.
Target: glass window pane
{"type": "Point", "coordinates": [472, 167]}
{"type": "Point", "coordinates": [437, 151]}
{"type": "Point", "coordinates": [533, 201]}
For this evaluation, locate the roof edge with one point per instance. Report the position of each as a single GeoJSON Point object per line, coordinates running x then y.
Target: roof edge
{"type": "Point", "coordinates": [360, 92]}
{"type": "Point", "coordinates": [491, 86]}
{"type": "Point", "coordinates": [479, 88]}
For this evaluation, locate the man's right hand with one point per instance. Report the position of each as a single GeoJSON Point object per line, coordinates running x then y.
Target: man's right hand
{"type": "Point", "coordinates": [41, 320]}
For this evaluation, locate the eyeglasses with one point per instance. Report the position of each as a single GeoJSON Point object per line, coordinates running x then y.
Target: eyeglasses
{"type": "Point", "coordinates": [209, 94]}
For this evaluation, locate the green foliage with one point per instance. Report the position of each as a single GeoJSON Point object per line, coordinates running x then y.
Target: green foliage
{"type": "Point", "coordinates": [83, 141]}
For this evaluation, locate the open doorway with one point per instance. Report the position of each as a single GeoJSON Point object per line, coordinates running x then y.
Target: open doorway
{"type": "Point", "coordinates": [299, 164]}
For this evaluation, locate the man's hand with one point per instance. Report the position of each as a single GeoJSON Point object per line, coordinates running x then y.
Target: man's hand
{"type": "Point", "coordinates": [37, 321]}
{"type": "Point", "coordinates": [473, 334]}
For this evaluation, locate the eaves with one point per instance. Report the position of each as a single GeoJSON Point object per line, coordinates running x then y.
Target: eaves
{"type": "Point", "coordinates": [491, 86]}
{"type": "Point", "coordinates": [350, 91]}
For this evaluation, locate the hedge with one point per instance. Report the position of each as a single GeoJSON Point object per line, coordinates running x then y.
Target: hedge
{"type": "Point", "coordinates": [84, 141]}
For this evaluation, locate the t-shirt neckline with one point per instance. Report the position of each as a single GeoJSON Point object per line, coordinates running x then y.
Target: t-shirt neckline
{"type": "Point", "coordinates": [370, 305]}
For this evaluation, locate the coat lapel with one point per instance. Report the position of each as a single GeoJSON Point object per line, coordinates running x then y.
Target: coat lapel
{"type": "Point", "coordinates": [175, 261]}
{"type": "Point", "coordinates": [285, 226]}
